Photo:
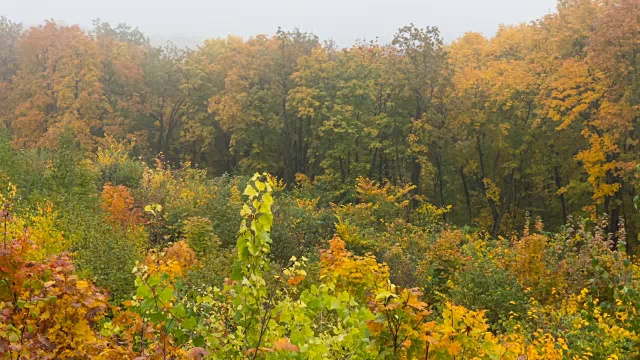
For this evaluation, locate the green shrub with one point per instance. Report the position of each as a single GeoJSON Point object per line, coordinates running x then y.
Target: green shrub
{"type": "Point", "coordinates": [482, 285]}
{"type": "Point", "coordinates": [299, 228]}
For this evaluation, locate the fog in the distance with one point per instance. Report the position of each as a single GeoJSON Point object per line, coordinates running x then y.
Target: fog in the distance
{"type": "Point", "coordinates": [187, 22]}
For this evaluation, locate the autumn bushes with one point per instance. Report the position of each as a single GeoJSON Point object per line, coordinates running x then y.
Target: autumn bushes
{"type": "Point", "coordinates": [46, 310]}
{"type": "Point", "coordinates": [160, 270]}
{"type": "Point", "coordinates": [111, 203]}
{"type": "Point", "coordinates": [465, 295]}
{"type": "Point", "coordinates": [526, 285]}
{"type": "Point", "coordinates": [569, 284]}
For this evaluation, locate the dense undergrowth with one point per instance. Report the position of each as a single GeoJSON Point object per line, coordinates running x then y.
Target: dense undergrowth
{"type": "Point", "coordinates": [105, 257]}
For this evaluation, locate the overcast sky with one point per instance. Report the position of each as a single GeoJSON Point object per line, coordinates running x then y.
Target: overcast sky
{"type": "Point", "coordinates": [190, 21]}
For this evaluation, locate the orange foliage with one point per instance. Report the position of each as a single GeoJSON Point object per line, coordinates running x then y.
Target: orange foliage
{"type": "Point", "coordinates": [57, 86]}
{"type": "Point", "coordinates": [119, 203]}
{"type": "Point", "coordinates": [175, 260]}
{"type": "Point", "coordinates": [47, 312]}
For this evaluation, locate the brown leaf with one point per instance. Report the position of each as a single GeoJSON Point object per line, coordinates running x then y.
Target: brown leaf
{"type": "Point", "coordinates": [4, 345]}
{"type": "Point", "coordinates": [197, 353]}
{"type": "Point", "coordinates": [45, 343]}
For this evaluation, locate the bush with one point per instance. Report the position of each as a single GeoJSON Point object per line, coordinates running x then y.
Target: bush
{"type": "Point", "coordinates": [299, 228]}
{"type": "Point", "coordinates": [482, 285]}
{"type": "Point", "coordinates": [106, 252]}
{"type": "Point", "coordinates": [116, 166]}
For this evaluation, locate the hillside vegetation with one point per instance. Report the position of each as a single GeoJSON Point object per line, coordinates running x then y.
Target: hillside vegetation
{"type": "Point", "coordinates": [277, 197]}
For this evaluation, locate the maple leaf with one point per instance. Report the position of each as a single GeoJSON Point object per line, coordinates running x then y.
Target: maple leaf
{"type": "Point", "coordinates": [454, 348]}
{"type": "Point", "coordinates": [295, 280]}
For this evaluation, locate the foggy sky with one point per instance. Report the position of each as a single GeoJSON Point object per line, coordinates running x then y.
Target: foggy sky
{"type": "Point", "coordinates": [187, 22]}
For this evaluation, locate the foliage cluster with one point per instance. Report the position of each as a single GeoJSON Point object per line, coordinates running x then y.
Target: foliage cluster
{"type": "Point", "coordinates": [404, 219]}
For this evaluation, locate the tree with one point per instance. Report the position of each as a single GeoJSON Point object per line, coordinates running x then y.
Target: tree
{"type": "Point", "coordinates": [57, 87]}
{"type": "Point", "coordinates": [250, 107]}
{"type": "Point", "coordinates": [202, 140]}
{"type": "Point", "coordinates": [424, 63]}
{"type": "Point", "coordinates": [123, 51]}
{"type": "Point", "coordinates": [293, 45]}
{"type": "Point", "coordinates": [9, 37]}
{"type": "Point", "coordinates": [164, 99]}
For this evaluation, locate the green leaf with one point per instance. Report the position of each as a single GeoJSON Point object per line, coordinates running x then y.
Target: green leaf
{"type": "Point", "coordinates": [143, 291]}
{"type": "Point", "coordinates": [157, 317]}
{"type": "Point", "coordinates": [13, 338]}
{"type": "Point", "coordinates": [189, 323]}
{"type": "Point", "coordinates": [165, 294]}
{"type": "Point", "coordinates": [242, 247]}
{"type": "Point", "coordinates": [314, 303]}
{"type": "Point", "coordinates": [335, 304]}
{"type": "Point", "coordinates": [154, 280]}
{"type": "Point", "coordinates": [179, 310]}
{"type": "Point", "coordinates": [253, 248]}
{"type": "Point", "coordinates": [147, 304]}
{"type": "Point", "coordinates": [385, 295]}
{"type": "Point", "coordinates": [198, 341]}
{"type": "Point", "coordinates": [236, 273]}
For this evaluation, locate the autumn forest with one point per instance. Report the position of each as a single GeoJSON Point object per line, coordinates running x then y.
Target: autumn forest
{"type": "Point", "coordinates": [281, 197]}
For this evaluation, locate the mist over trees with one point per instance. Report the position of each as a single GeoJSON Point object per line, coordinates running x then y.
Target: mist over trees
{"type": "Point", "coordinates": [403, 200]}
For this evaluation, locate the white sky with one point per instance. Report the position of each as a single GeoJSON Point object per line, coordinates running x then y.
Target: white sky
{"type": "Point", "coordinates": [187, 22]}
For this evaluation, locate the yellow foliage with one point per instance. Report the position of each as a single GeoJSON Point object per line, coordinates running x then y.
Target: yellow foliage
{"type": "Point", "coordinates": [530, 266]}
{"type": "Point", "coordinates": [357, 274]}
{"type": "Point", "coordinates": [47, 238]}
{"type": "Point", "coordinates": [184, 188]}
{"type": "Point", "coordinates": [573, 90]}
{"type": "Point", "coordinates": [39, 226]}
{"type": "Point", "coordinates": [492, 190]}
{"type": "Point", "coordinates": [46, 311]}
{"type": "Point", "coordinates": [599, 167]}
